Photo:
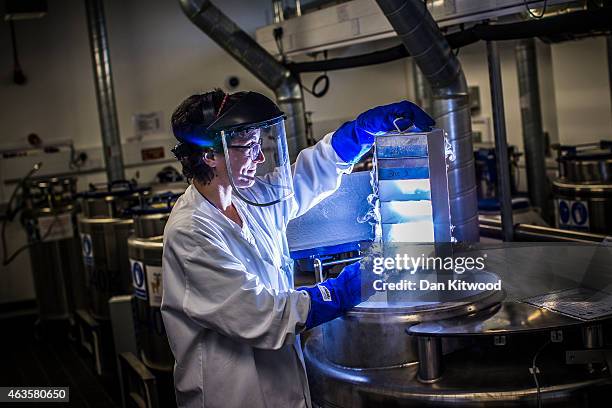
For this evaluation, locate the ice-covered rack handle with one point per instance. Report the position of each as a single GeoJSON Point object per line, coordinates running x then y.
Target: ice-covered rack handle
{"type": "Point", "coordinates": [412, 128]}
{"type": "Point", "coordinates": [396, 125]}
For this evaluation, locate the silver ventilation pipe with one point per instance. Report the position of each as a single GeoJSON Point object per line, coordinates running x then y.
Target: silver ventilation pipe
{"type": "Point", "coordinates": [258, 61]}
{"type": "Point", "coordinates": [609, 44]}
{"type": "Point", "coordinates": [501, 141]}
{"type": "Point", "coordinates": [450, 99]}
{"type": "Point", "coordinates": [531, 115]}
{"type": "Point", "coordinates": [105, 93]}
{"type": "Point", "coordinates": [422, 91]}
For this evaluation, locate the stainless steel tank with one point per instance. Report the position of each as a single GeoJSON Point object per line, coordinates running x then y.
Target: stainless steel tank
{"type": "Point", "coordinates": [145, 252]}
{"type": "Point", "coordinates": [583, 191]}
{"type": "Point", "coordinates": [373, 334]}
{"type": "Point", "coordinates": [104, 227]}
{"type": "Point", "coordinates": [370, 357]}
{"type": "Point", "coordinates": [50, 221]}
{"type": "Point", "coordinates": [150, 218]}
{"type": "Point", "coordinates": [473, 378]}
{"type": "Point", "coordinates": [145, 258]}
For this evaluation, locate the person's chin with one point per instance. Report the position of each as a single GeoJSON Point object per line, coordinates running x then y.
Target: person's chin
{"type": "Point", "coordinates": [245, 182]}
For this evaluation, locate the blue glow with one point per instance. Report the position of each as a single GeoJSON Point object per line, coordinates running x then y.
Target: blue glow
{"type": "Point", "coordinates": [404, 186]}
{"type": "Point", "coordinates": [197, 140]}
{"type": "Point", "coordinates": [399, 212]}
{"type": "Point", "coordinates": [404, 190]}
{"type": "Point", "coordinates": [420, 231]}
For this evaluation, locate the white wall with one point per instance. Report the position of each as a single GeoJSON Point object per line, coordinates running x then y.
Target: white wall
{"type": "Point", "coordinates": [574, 92]}
{"type": "Point", "coordinates": [582, 90]}
{"type": "Point", "coordinates": [352, 91]}
{"type": "Point", "coordinates": [159, 57]}
{"type": "Point", "coordinates": [574, 88]}
{"type": "Point", "coordinates": [474, 62]}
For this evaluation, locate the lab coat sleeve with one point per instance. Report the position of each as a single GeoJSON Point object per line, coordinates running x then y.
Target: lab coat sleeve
{"type": "Point", "coordinates": [317, 173]}
{"type": "Point", "coordinates": [221, 294]}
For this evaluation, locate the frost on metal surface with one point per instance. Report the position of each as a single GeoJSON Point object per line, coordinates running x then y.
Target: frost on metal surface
{"type": "Point", "coordinates": [403, 199]}
{"type": "Point", "coordinates": [410, 187]}
{"type": "Point", "coordinates": [449, 152]}
{"type": "Point", "coordinates": [332, 221]}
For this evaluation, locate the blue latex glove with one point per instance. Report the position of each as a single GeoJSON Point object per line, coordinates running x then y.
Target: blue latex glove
{"type": "Point", "coordinates": [353, 139]}
{"type": "Point", "coordinates": [335, 296]}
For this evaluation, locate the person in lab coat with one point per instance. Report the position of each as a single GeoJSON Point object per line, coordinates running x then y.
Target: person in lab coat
{"type": "Point", "coordinates": [229, 307]}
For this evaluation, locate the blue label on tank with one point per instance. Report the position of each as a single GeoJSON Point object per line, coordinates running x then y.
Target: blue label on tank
{"type": "Point", "coordinates": [564, 212]}
{"type": "Point", "coordinates": [138, 279]}
{"type": "Point", "coordinates": [87, 248]}
{"type": "Point", "coordinates": [580, 214]}
{"type": "Point", "coordinates": [573, 215]}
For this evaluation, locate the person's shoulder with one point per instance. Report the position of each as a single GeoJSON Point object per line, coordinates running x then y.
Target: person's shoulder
{"type": "Point", "coordinates": [192, 221]}
{"type": "Point", "coordinates": [181, 213]}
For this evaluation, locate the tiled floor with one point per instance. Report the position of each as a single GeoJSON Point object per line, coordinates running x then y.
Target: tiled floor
{"type": "Point", "coordinates": [28, 359]}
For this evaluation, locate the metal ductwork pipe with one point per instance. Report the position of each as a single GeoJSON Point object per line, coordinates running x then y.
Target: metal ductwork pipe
{"type": "Point", "coordinates": [105, 93]}
{"type": "Point", "coordinates": [450, 99]}
{"type": "Point", "coordinates": [258, 61]}
{"type": "Point", "coordinates": [422, 90]}
{"type": "Point", "coordinates": [501, 142]}
{"type": "Point", "coordinates": [533, 135]}
{"type": "Point", "coordinates": [609, 44]}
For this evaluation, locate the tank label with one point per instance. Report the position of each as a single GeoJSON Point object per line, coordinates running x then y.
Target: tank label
{"type": "Point", "coordinates": [87, 248]}
{"type": "Point", "coordinates": [154, 285]}
{"type": "Point", "coordinates": [573, 214]}
{"type": "Point", "coordinates": [138, 279]}
{"type": "Point", "coordinates": [54, 228]}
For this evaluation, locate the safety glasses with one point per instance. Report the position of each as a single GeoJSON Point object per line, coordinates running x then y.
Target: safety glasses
{"type": "Point", "coordinates": [254, 148]}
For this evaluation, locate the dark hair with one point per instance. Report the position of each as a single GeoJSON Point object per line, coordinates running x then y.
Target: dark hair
{"type": "Point", "coordinates": [192, 117]}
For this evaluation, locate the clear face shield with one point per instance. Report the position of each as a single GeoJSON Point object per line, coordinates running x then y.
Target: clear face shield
{"type": "Point", "coordinates": [257, 162]}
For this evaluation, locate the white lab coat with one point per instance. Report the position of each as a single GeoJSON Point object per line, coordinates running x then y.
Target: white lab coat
{"type": "Point", "coordinates": [229, 308]}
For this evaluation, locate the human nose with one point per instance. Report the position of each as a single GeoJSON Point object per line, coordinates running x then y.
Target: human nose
{"type": "Point", "coordinates": [258, 154]}
{"type": "Point", "coordinates": [260, 157]}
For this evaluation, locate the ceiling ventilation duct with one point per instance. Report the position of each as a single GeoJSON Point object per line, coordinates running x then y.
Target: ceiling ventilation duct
{"type": "Point", "coordinates": [258, 61]}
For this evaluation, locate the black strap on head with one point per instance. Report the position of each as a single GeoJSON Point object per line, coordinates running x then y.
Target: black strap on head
{"type": "Point", "coordinates": [251, 109]}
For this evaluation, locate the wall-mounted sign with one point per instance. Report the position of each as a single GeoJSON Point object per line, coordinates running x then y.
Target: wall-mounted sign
{"type": "Point", "coordinates": [147, 123]}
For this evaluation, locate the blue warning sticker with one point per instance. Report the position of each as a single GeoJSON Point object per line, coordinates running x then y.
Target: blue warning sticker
{"type": "Point", "coordinates": [138, 279]}
{"type": "Point", "coordinates": [573, 214]}
{"type": "Point", "coordinates": [87, 249]}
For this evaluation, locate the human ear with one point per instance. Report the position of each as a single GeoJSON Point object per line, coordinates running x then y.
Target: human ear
{"type": "Point", "coordinates": [209, 159]}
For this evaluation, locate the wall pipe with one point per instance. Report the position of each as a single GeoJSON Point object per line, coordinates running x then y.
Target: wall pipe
{"type": "Point", "coordinates": [501, 143]}
{"type": "Point", "coordinates": [421, 88]}
{"type": "Point", "coordinates": [423, 40]}
{"type": "Point", "coordinates": [533, 135]}
{"type": "Point", "coordinates": [609, 44]}
{"type": "Point", "coordinates": [258, 61]}
{"type": "Point", "coordinates": [105, 92]}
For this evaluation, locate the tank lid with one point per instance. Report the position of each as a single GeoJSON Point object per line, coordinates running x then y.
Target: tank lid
{"type": "Point", "coordinates": [120, 188]}
{"type": "Point", "coordinates": [601, 150]}
{"type": "Point", "coordinates": [161, 203]}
